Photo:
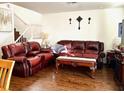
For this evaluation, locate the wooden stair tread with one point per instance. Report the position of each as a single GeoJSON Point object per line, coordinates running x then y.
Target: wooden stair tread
{"type": "Point", "coordinates": [17, 34]}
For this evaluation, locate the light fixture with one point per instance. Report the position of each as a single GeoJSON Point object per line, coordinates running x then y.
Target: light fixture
{"type": "Point", "coordinates": [72, 4]}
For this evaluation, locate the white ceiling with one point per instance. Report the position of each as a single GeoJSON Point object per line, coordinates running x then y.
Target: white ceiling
{"type": "Point", "coordinates": [55, 7]}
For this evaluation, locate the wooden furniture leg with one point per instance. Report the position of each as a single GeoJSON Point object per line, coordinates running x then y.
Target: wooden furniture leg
{"type": "Point", "coordinates": [57, 66]}
{"type": "Point", "coordinates": [93, 73]}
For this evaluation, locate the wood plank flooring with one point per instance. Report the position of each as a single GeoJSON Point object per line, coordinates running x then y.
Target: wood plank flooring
{"type": "Point", "coordinates": [68, 78]}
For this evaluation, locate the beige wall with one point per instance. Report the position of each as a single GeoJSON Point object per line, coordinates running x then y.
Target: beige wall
{"type": "Point", "coordinates": [103, 27]}
{"type": "Point", "coordinates": [29, 17]}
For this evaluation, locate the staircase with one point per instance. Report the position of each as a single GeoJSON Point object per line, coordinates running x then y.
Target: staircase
{"type": "Point", "coordinates": [17, 35]}
{"type": "Point", "coordinates": [26, 32]}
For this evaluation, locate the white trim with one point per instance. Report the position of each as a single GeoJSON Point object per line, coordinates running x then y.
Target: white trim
{"type": "Point", "coordinates": [76, 58]}
{"type": "Point", "coordinates": [20, 19]}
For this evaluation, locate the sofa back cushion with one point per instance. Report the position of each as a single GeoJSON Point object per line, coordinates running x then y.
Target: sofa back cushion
{"type": "Point", "coordinates": [80, 45]}
{"type": "Point", "coordinates": [92, 47]}
{"type": "Point", "coordinates": [27, 47]}
{"type": "Point", "coordinates": [6, 51]}
{"type": "Point", "coordinates": [34, 46]}
{"type": "Point", "coordinates": [66, 43]}
{"type": "Point", "coordinates": [17, 49]}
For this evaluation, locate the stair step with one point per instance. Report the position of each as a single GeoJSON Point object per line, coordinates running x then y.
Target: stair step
{"type": "Point", "coordinates": [16, 36]}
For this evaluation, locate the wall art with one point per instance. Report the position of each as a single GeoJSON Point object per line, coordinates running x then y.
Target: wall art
{"type": "Point", "coordinates": [89, 20]}
{"type": "Point", "coordinates": [5, 20]}
{"type": "Point", "coordinates": [70, 20]}
{"type": "Point", "coordinates": [79, 20]}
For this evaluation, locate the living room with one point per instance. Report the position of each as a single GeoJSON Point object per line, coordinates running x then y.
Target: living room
{"type": "Point", "coordinates": [82, 37]}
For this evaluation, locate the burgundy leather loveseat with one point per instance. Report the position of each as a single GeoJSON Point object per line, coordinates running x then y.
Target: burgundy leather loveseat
{"type": "Point", "coordinates": [28, 57]}
{"type": "Point", "coordinates": [86, 49]}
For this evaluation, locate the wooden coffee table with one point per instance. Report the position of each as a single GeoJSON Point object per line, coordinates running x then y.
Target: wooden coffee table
{"type": "Point", "coordinates": [77, 61]}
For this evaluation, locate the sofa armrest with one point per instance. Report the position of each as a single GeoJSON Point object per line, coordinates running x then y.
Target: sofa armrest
{"type": "Point", "coordinates": [101, 54]}
{"type": "Point", "coordinates": [18, 59]}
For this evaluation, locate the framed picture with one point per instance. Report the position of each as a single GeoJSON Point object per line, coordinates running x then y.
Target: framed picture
{"type": "Point", "coordinates": [5, 20]}
{"type": "Point", "coordinates": [119, 29]}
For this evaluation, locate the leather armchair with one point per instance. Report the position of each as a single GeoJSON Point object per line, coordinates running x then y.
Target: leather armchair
{"type": "Point", "coordinates": [27, 62]}
{"type": "Point", "coordinates": [17, 52]}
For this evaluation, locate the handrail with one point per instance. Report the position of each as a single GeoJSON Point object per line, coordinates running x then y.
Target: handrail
{"type": "Point", "coordinates": [22, 34]}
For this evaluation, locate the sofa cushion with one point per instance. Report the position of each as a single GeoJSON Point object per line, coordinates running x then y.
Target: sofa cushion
{"type": "Point", "coordinates": [22, 54]}
{"type": "Point", "coordinates": [92, 47]}
{"type": "Point", "coordinates": [18, 58]}
{"type": "Point", "coordinates": [91, 51]}
{"type": "Point", "coordinates": [76, 54]}
{"type": "Point", "coordinates": [34, 46]}
{"type": "Point", "coordinates": [78, 45]}
{"type": "Point", "coordinates": [34, 61]}
{"type": "Point", "coordinates": [33, 53]}
{"type": "Point", "coordinates": [66, 54]}
{"type": "Point", "coordinates": [47, 56]}
{"type": "Point", "coordinates": [85, 55]}
{"type": "Point", "coordinates": [77, 51]}
{"type": "Point", "coordinates": [17, 48]}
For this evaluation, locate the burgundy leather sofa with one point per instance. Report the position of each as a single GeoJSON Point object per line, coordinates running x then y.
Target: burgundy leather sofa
{"type": "Point", "coordinates": [28, 57]}
{"type": "Point", "coordinates": [86, 49]}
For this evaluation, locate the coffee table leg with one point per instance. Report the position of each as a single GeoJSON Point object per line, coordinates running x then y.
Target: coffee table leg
{"type": "Point", "coordinates": [57, 66]}
{"type": "Point", "coordinates": [93, 73]}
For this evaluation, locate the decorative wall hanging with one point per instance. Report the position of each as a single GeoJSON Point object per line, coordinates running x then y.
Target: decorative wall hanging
{"type": "Point", "coordinates": [5, 20]}
{"type": "Point", "coordinates": [89, 20]}
{"type": "Point", "coordinates": [70, 20]}
{"type": "Point", "coordinates": [79, 20]}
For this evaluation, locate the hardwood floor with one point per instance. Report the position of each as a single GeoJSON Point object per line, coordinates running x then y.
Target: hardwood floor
{"type": "Point", "coordinates": [68, 78]}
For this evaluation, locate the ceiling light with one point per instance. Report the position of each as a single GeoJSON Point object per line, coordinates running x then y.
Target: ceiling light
{"type": "Point", "coordinates": [72, 4]}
